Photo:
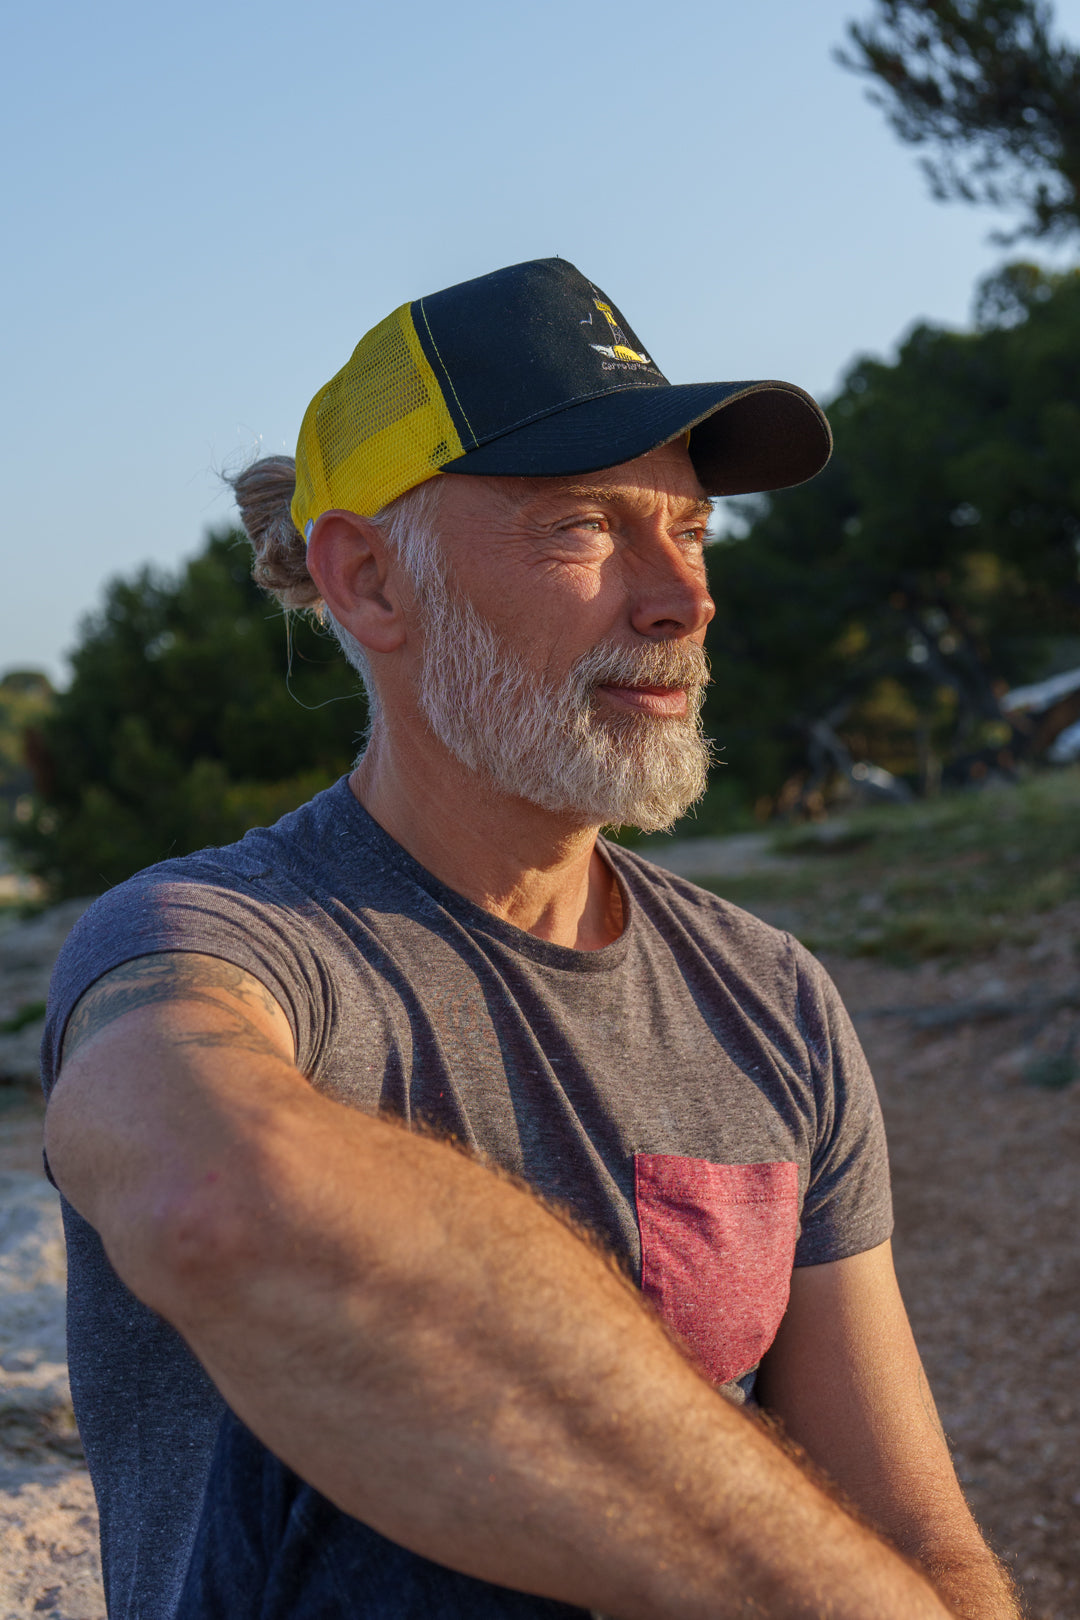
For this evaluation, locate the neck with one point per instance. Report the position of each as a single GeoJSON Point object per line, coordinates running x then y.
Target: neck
{"type": "Point", "coordinates": [540, 872]}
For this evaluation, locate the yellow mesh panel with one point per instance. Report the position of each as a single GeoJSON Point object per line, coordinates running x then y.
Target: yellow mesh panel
{"type": "Point", "coordinates": [377, 428]}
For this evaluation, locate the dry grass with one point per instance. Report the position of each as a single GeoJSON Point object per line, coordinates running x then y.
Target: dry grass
{"type": "Point", "coordinates": [951, 878]}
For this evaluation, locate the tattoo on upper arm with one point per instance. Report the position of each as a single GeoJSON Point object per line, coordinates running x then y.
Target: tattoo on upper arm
{"type": "Point", "coordinates": [242, 1037]}
{"type": "Point", "coordinates": [177, 976]}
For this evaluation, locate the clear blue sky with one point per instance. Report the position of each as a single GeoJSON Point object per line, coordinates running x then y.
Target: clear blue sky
{"type": "Point", "coordinates": [208, 204]}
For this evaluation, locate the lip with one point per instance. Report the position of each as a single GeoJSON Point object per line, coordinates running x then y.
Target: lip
{"type": "Point", "coordinates": [664, 702]}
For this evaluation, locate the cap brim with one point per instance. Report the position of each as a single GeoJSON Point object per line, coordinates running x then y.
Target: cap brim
{"type": "Point", "coordinates": [746, 436]}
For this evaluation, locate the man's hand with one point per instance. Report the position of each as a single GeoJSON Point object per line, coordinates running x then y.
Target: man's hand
{"type": "Point", "coordinates": [421, 1340]}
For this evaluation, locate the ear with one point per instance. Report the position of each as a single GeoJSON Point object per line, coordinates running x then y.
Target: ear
{"type": "Point", "coordinates": [348, 560]}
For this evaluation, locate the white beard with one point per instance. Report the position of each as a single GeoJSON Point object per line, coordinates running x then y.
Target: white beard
{"type": "Point", "coordinates": [550, 744]}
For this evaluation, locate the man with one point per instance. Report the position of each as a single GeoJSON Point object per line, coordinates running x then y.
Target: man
{"type": "Point", "coordinates": [445, 1396]}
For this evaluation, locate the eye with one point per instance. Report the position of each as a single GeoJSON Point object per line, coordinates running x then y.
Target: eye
{"type": "Point", "coordinates": [591, 524]}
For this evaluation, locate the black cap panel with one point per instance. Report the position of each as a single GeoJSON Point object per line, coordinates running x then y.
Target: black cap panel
{"type": "Point", "coordinates": [516, 345]}
{"type": "Point", "coordinates": [746, 436]}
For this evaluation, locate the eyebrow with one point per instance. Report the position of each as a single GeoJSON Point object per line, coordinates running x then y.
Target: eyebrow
{"type": "Point", "coordinates": [614, 495]}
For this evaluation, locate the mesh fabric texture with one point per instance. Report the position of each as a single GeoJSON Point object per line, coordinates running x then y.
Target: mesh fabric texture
{"type": "Point", "coordinates": [379, 427]}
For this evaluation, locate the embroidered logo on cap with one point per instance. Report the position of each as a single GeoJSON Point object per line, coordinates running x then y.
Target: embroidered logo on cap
{"type": "Point", "coordinates": [618, 348]}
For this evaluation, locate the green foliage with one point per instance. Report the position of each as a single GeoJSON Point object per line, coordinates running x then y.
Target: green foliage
{"type": "Point", "coordinates": [26, 1015]}
{"type": "Point", "coordinates": [932, 563]}
{"type": "Point", "coordinates": [950, 878]}
{"type": "Point", "coordinates": [986, 84]}
{"type": "Point", "coordinates": [196, 710]}
{"type": "Point", "coordinates": [26, 696]}
{"type": "Point", "coordinates": [1053, 1071]}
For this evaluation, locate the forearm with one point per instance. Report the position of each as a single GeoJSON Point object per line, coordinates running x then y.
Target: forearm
{"type": "Point", "coordinates": [444, 1359]}
{"type": "Point", "coordinates": [845, 1378]}
{"type": "Point", "coordinates": [977, 1586]}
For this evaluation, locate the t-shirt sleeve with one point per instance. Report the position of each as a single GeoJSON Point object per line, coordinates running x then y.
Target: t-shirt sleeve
{"type": "Point", "coordinates": [195, 905]}
{"type": "Point", "coordinates": [848, 1204]}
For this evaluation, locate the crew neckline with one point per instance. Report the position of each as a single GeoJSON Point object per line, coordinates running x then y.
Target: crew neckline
{"type": "Point", "coordinates": [479, 920]}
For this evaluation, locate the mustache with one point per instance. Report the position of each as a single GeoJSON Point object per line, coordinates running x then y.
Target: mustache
{"type": "Point", "coordinates": [658, 663]}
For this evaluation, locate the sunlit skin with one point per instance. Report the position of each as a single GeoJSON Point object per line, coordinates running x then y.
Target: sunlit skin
{"type": "Point", "coordinates": [556, 566]}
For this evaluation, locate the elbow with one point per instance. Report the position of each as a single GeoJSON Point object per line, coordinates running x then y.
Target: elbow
{"type": "Point", "coordinates": [187, 1245]}
{"type": "Point", "coordinates": [186, 1208]}
{"type": "Point", "coordinates": [188, 1237]}
{"type": "Point", "coordinates": [165, 1215]}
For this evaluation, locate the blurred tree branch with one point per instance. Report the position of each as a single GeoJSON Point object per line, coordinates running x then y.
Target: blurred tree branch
{"type": "Point", "coordinates": [986, 84]}
{"type": "Point", "coordinates": [933, 563]}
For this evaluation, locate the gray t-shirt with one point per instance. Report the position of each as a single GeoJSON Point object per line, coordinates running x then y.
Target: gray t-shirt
{"type": "Point", "coordinates": [694, 1092]}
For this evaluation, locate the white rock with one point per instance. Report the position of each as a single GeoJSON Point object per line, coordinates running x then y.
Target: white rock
{"type": "Point", "coordinates": [35, 1400]}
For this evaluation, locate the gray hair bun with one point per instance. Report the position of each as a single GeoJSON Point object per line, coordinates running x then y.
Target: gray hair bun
{"type": "Point", "coordinates": [263, 493]}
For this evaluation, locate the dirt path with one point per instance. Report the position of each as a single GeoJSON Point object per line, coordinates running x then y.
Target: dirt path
{"type": "Point", "coordinates": [988, 1209]}
{"type": "Point", "coordinates": [987, 1194]}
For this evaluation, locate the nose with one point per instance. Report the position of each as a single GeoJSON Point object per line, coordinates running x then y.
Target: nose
{"type": "Point", "coordinates": [670, 593]}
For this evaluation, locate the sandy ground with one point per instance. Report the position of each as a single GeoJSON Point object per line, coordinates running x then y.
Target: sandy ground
{"type": "Point", "coordinates": [987, 1194]}
{"type": "Point", "coordinates": [988, 1208]}
{"type": "Point", "coordinates": [49, 1563]}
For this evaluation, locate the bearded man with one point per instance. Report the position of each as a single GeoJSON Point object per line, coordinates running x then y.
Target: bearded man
{"type": "Point", "coordinates": [446, 1187]}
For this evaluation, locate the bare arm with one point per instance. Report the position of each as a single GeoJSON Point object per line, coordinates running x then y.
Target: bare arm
{"type": "Point", "coordinates": [421, 1340]}
{"type": "Point", "coordinates": [845, 1378]}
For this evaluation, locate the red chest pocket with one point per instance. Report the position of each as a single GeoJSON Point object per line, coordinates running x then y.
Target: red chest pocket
{"type": "Point", "coordinates": [717, 1246]}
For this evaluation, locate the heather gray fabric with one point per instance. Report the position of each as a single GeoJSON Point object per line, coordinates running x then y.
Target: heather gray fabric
{"type": "Point", "coordinates": [700, 1034]}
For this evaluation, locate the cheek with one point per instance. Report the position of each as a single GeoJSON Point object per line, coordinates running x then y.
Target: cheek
{"type": "Point", "coordinates": [545, 587]}
{"type": "Point", "coordinates": [551, 609]}
{"type": "Point", "coordinates": [590, 599]}
{"type": "Point", "coordinates": [572, 615]}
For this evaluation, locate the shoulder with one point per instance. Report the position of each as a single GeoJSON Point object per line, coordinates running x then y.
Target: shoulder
{"type": "Point", "coordinates": [670, 901]}
{"type": "Point", "coordinates": [762, 964]}
{"type": "Point", "coordinates": [252, 904]}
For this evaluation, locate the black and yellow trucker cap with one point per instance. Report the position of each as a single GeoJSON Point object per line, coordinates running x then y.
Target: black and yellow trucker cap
{"type": "Point", "coordinates": [532, 372]}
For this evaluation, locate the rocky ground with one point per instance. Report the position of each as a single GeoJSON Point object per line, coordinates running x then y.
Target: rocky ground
{"type": "Point", "coordinates": [987, 1193]}
{"type": "Point", "coordinates": [49, 1563]}
{"type": "Point", "coordinates": [988, 1207]}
